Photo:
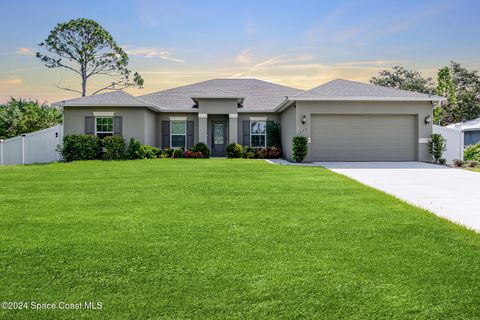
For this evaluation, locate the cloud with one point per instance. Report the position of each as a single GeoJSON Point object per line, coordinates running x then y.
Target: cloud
{"type": "Point", "coordinates": [11, 81]}
{"type": "Point", "coordinates": [249, 28]}
{"type": "Point", "coordinates": [26, 51]}
{"type": "Point", "coordinates": [153, 53]}
{"type": "Point", "coordinates": [244, 57]}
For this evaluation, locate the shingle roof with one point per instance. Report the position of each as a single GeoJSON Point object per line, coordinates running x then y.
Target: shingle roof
{"type": "Point", "coordinates": [467, 125]}
{"type": "Point", "coordinates": [351, 90]}
{"type": "Point", "coordinates": [113, 98]}
{"type": "Point", "coordinates": [258, 95]}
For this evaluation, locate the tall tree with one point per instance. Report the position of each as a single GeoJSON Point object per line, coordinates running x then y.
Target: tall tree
{"type": "Point", "coordinates": [86, 48]}
{"type": "Point", "coordinates": [461, 87]}
{"type": "Point", "coordinates": [401, 78]}
{"type": "Point", "coordinates": [24, 116]}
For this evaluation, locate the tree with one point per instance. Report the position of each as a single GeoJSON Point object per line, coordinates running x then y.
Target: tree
{"type": "Point", "coordinates": [86, 48]}
{"type": "Point", "coordinates": [401, 78]}
{"type": "Point", "coordinates": [461, 87]}
{"type": "Point", "coordinates": [437, 146]}
{"type": "Point", "coordinates": [22, 116]}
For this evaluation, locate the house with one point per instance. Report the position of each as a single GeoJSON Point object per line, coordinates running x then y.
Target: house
{"type": "Point", "coordinates": [471, 131]}
{"type": "Point", "coordinates": [343, 120]}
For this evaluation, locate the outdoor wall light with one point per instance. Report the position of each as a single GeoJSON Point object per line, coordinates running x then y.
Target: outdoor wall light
{"type": "Point", "coordinates": [428, 119]}
{"type": "Point", "coordinates": [304, 119]}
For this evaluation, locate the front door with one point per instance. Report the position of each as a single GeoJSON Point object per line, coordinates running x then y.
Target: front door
{"type": "Point", "coordinates": [219, 138]}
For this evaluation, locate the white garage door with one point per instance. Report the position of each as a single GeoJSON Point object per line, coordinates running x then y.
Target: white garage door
{"type": "Point", "coordinates": [363, 138]}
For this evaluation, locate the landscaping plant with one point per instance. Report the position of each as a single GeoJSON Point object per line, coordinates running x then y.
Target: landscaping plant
{"type": "Point", "coordinates": [234, 150]}
{"type": "Point", "coordinates": [114, 147]}
{"type": "Point", "coordinates": [203, 148]}
{"type": "Point", "coordinates": [80, 147]}
{"type": "Point", "coordinates": [472, 152]}
{"type": "Point", "coordinates": [273, 134]}
{"type": "Point", "coordinates": [248, 152]}
{"type": "Point", "coordinates": [299, 148]}
{"type": "Point", "coordinates": [436, 146]}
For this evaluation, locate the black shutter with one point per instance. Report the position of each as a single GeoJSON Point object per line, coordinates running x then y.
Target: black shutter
{"type": "Point", "coordinates": [117, 126]}
{"type": "Point", "coordinates": [89, 125]}
{"type": "Point", "coordinates": [246, 133]}
{"type": "Point", "coordinates": [190, 134]}
{"type": "Point", "coordinates": [165, 134]}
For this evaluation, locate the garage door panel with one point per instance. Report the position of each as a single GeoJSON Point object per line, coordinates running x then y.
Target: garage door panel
{"type": "Point", "coordinates": [363, 138]}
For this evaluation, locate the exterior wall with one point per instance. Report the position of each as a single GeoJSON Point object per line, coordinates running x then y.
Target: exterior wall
{"type": "Point", "coordinates": [217, 106]}
{"type": "Point", "coordinates": [150, 128]}
{"type": "Point", "coordinates": [166, 117]}
{"type": "Point", "coordinates": [246, 117]}
{"type": "Point", "coordinates": [288, 127]}
{"type": "Point", "coordinates": [133, 120]}
{"type": "Point", "coordinates": [455, 142]}
{"type": "Point", "coordinates": [419, 109]}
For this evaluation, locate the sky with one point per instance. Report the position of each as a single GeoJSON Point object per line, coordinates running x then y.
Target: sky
{"type": "Point", "coordinates": [295, 43]}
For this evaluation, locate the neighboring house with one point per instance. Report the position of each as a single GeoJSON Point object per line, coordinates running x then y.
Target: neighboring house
{"type": "Point", "coordinates": [471, 131]}
{"type": "Point", "coordinates": [343, 120]}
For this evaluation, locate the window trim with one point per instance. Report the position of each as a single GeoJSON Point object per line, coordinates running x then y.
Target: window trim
{"type": "Point", "coordinates": [176, 134]}
{"type": "Point", "coordinates": [104, 132]}
{"type": "Point", "coordinates": [258, 134]}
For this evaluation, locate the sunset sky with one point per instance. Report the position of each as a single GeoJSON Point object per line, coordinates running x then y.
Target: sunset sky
{"type": "Point", "coordinates": [296, 43]}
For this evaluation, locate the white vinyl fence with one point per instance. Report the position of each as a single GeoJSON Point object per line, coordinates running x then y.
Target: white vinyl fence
{"type": "Point", "coordinates": [35, 147]}
{"type": "Point", "coordinates": [454, 139]}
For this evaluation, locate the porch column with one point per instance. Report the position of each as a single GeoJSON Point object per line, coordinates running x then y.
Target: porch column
{"type": "Point", "coordinates": [232, 127]}
{"type": "Point", "coordinates": [202, 128]}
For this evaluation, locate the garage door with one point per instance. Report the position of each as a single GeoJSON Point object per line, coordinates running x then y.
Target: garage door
{"type": "Point", "coordinates": [363, 138]}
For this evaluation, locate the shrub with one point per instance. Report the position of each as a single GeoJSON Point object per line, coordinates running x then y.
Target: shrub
{"type": "Point", "coordinates": [167, 153]}
{"type": "Point", "coordinates": [234, 150]}
{"type": "Point", "coordinates": [274, 153]}
{"type": "Point", "coordinates": [442, 161]}
{"type": "Point", "coordinates": [273, 134]}
{"type": "Point", "coordinates": [114, 147]}
{"type": "Point", "coordinates": [178, 153]}
{"type": "Point", "coordinates": [147, 152]}
{"type": "Point", "coordinates": [190, 154]}
{"type": "Point", "coordinates": [472, 163]}
{"type": "Point", "coordinates": [299, 148]}
{"type": "Point", "coordinates": [261, 153]}
{"type": "Point", "coordinates": [458, 163]}
{"type": "Point", "coordinates": [202, 147]}
{"type": "Point", "coordinates": [81, 147]}
{"type": "Point", "coordinates": [133, 150]}
{"type": "Point", "coordinates": [248, 152]}
{"type": "Point", "coordinates": [472, 152]}
{"type": "Point", "coordinates": [436, 146]}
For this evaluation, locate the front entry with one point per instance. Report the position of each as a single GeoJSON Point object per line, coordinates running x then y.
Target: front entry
{"type": "Point", "coordinates": [219, 138]}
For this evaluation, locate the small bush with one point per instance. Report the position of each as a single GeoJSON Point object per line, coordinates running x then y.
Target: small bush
{"type": "Point", "coordinates": [147, 152]}
{"type": "Point", "coordinates": [437, 146]}
{"type": "Point", "coordinates": [273, 134]}
{"type": "Point", "coordinates": [472, 163]}
{"type": "Point", "coordinates": [248, 152]}
{"type": "Point", "coordinates": [442, 161]}
{"type": "Point", "coordinates": [167, 153]}
{"type": "Point", "coordinates": [234, 150]}
{"type": "Point", "coordinates": [114, 147]}
{"type": "Point", "coordinates": [299, 148]}
{"type": "Point", "coordinates": [202, 147]}
{"type": "Point", "coordinates": [274, 153]}
{"type": "Point", "coordinates": [458, 163]}
{"type": "Point", "coordinates": [190, 154]}
{"type": "Point", "coordinates": [133, 150]}
{"type": "Point", "coordinates": [81, 147]}
{"type": "Point", "coordinates": [472, 152]}
{"type": "Point", "coordinates": [261, 153]}
{"type": "Point", "coordinates": [178, 153]}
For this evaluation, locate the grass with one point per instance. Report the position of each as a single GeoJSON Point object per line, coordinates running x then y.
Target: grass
{"type": "Point", "coordinates": [225, 239]}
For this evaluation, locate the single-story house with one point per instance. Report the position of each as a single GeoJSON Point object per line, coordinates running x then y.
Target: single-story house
{"type": "Point", "coordinates": [343, 120]}
{"type": "Point", "coordinates": [471, 131]}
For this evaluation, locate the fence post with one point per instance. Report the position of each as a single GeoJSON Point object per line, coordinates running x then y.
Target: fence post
{"type": "Point", "coordinates": [1, 152]}
{"type": "Point", "coordinates": [23, 148]}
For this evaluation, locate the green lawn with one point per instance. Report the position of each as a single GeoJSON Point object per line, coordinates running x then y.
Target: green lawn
{"type": "Point", "coordinates": [225, 239]}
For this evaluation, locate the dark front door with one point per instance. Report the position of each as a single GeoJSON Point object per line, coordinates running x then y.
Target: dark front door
{"type": "Point", "coordinates": [219, 138]}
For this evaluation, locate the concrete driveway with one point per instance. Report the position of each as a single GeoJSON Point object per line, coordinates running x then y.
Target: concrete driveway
{"type": "Point", "coordinates": [450, 193]}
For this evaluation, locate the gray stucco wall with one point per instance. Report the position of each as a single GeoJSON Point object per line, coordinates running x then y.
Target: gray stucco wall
{"type": "Point", "coordinates": [217, 106]}
{"type": "Point", "coordinates": [419, 109]}
{"type": "Point", "coordinates": [150, 128]}
{"type": "Point", "coordinates": [288, 125]}
{"type": "Point", "coordinates": [133, 120]}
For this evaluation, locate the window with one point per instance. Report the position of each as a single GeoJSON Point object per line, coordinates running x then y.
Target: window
{"type": "Point", "coordinates": [104, 126]}
{"type": "Point", "coordinates": [178, 134]}
{"type": "Point", "coordinates": [258, 133]}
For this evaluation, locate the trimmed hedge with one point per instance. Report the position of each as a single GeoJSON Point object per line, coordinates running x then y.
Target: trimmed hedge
{"type": "Point", "coordinates": [114, 148]}
{"type": "Point", "coordinates": [299, 148]}
{"type": "Point", "coordinates": [81, 147]}
{"type": "Point", "coordinates": [234, 150]}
